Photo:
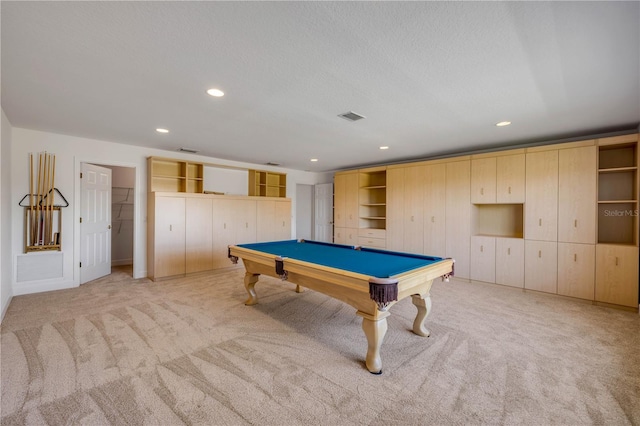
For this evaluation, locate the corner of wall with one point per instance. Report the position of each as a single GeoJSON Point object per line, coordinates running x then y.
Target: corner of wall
{"type": "Point", "coordinates": [6, 264]}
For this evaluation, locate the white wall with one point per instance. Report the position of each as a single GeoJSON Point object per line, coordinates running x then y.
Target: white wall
{"type": "Point", "coordinates": [6, 264]}
{"type": "Point", "coordinates": [70, 152]}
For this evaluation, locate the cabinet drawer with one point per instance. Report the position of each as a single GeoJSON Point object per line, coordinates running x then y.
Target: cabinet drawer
{"type": "Point", "coordinates": [372, 233]}
{"type": "Point", "coordinates": [372, 242]}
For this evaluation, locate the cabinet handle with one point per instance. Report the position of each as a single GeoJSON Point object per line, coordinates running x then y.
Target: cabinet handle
{"type": "Point", "coordinates": [411, 218]}
{"type": "Point", "coordinates": [509, 191]}
{"type": "Point", "coordinates": [575, 257]}
{"type": "Point", "coordinates": [170, 227]}
{"type": "Point", "coordinates": [509, 251]}
{"type": "Point", "coordinates": [246, 225]}
{"type": "Point", "coordinates": [225, 226]}
{"type": "Point", "coordinates": [540, 222]}
{"type": "Point", "coordinates": [433, 219]}
{"type": "Point", "coordinates": [283, 223]}
{"type": "Point", "coordinates": [540, 253]}
{"type": "Point", "coordinates": [575, 223]}
{"type": "Point", "coordinates": [481, 249]}
{"type": "Point", "coordinates": [481, 191]}
{"type": "Point", "coordinates": [616, 260]}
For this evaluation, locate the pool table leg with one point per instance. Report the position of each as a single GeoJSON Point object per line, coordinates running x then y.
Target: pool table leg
{"type": "Point", "coordinates": [250, 281]}
{"type": "Point", "coordinates": [374, 329]}
{"type": "Point", "coordinates": [423, 303]}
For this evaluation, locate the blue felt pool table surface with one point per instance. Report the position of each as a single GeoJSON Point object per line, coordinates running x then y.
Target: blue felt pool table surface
{"type": "Point", "coordinates": [366, 261]}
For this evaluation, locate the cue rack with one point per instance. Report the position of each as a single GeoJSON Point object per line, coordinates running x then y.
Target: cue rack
{"type": "Point", "coordinates": [43, 217]}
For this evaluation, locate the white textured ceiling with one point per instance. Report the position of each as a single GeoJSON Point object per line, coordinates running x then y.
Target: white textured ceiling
{"type": "Point", "coordinates": [431, 78]}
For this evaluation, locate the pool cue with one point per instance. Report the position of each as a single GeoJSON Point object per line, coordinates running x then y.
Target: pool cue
{"type": "Point", "coordinates": [45, 199]}
{"type": "Point", "coordinates": [53, 176]}
{"type": "Point", "coordinates": [38, 201]}
{"type": "Point", "coordinates": [30, 216]}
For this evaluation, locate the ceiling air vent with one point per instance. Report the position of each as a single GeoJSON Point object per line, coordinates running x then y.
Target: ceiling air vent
{"type": "Point", "coordinates": [190, 151]}
{"type": "Point", "coordinates": [271, 164]}
{"type": "Point", "coordinates": [351, 116]}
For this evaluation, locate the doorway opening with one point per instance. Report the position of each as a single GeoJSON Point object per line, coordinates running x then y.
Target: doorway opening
{"type": "Point", "coordinates": [107, 221]}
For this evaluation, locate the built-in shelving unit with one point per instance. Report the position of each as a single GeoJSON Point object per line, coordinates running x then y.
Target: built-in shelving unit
{"type": "Point", "coordinates": [267, 184]}
{"type": "Point", "coordinates": [617, 194]}
{"type": "Point", "coordinates": [170, 175]}
{"type": "Point", "coordinates": [373, 199]}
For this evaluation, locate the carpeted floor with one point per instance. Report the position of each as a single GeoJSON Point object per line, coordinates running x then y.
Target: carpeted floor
{"type": "Point", "coordinates": [187, 351]}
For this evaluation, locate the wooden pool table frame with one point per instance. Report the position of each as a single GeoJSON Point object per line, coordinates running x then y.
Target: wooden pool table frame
{"type": "Point", "coordinates": [351, 288]}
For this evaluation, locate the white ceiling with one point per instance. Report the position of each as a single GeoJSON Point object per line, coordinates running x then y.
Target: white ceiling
{"type": "Point", "coordinates": [432, 78]}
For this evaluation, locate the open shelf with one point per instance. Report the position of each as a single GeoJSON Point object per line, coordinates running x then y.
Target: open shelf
{"type": "Point", "coordinates": [618, 194]}
{"type": "Point", "coordinates": [267, 184]}
{"type": "Point", "coordinates": [373, 199]}
{"type": "Point", "coordinates": [168, 175]}
{"type": "Point", "coordinates": [498, 220]}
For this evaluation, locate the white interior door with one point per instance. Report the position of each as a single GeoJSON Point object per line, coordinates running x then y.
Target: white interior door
{"type": "Point", "coordinates": [95, 222]}
{"type": "Point", "coordinates": [323, 202]}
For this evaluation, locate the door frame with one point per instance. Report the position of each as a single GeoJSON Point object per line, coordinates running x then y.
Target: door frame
{"type": "Point", "coordinates": [138, 260]}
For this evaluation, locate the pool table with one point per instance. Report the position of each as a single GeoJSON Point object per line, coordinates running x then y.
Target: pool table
{"type": "Point", "coordinates": [370, 280]}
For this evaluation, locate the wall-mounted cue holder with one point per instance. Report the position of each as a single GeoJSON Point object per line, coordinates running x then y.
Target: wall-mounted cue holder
{"type": "Point", "coordinates": [43, 221]}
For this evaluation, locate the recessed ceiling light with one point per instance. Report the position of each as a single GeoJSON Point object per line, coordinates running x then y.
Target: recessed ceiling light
{"type": "Point", "coordinates": [160, 130]}
{"type": "Point", "coordinates": [503, 123]}
{"type": "Point", "coordinates": [384, 147]}
{"type": "Point", "coordinates": [215, 92]}
{"type": "Point", "coordinates": [313, 160]}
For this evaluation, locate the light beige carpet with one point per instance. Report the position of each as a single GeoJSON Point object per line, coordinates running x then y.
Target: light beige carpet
{"type": "Point", "coordinates": [187, 351]}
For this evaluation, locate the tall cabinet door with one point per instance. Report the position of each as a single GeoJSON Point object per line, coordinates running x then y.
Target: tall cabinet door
{"type": "Point", "coordinates": [541, 206]}
{"type": "Point", "coordinates": [576, 270]}
{"type": "Point", "coordinates": [266, 218]}
{"type": "Point", "coordinates": [199, 234]}
{"type": "Point", "coordinates": [510, 261]}
{"type": "Point", "coordinates": [483, 259]}
{"type": "Point", "coordinates": [169, 236]}
{"type": "Point", "coordinates": [351, 190]}
{"type": "Point", "coordinates": [458, 209]}
{"type": "Point", "coordinates": [245, 221]}
{"type": "Point", "coordinates": [617, 275]}
{"type": "Point", "coordinates": [414, 178]}
{"type": "Point", "coordinates": [434, 210]}
{"type": "Point", "coordinates": [541, 266]}
{"type": "Point", "coordinates": [339, 197]}
{"type": "Point", "coordinates": [223, 231]}
{"type": "Point", "coordinates": [395, 209]}
{"type": "Point", "coordinates": [577, 173]}
{"type": "Point", "coordinates": [510, 179]}
{"type": "Point", "coordinates": [483, 180]}
{"type": "Point", "coordinates": [282, 226]}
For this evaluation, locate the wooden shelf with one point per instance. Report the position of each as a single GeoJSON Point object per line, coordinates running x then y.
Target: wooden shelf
{"type": "Point", "coordinates": [373, 198]}
{"type": "Point", "coordinates": [618, 194]}
{"type": "Point", "coordinates": [170, 175]}
{"type": "Point", "coordinates": [267, 184]}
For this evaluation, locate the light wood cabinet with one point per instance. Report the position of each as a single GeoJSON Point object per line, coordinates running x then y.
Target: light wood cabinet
{"type": "Point", "coordinates": [541, 206]}
{"type": "Point", "coordinates": [273, 220]}
{"type": "Point", "coordinates": [166, 236]}
{"type": "Point", "coordinates": [617, 275]}
{"type": "Point", "coordinates": [199, 234]}
{"type": "Point", "coordinates": [458, 211]}
{"type": "Point", "coordinates": [541, 266]}
{"type": "Point", "coordinates": [483, 180]}
{"type": "Point", "coordinates": [414, 193]}
{"type": "Point", "coordinates": [510, 262]}
{"type": "Point", "coordinates": [169, 175]}
{"type": "Point", "coordinates": [576, 194]}
{"type": "Point", "coordinates": [434, 210]}
{"type": "Point", "coordinates": [348, 236]}
{"type": "Point", "coordinates": [483, 259]}
{"type": "Point", "coordinates": [510, 179]}
{"type": "Point", "coordinates": [345, 213]}
{"type": "Point", "coordinates": [576, 270]}
{"type": "Point", "coordinates": [395, 208]}
{"type": "Point", "coordinates": [267, 184]}
{"type": "Point", "coordinates": [191, 232]}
